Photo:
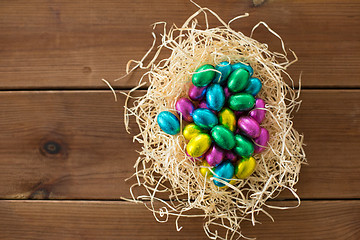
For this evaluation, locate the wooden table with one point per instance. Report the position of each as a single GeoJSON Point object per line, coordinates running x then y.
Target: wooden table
{"type": "Point", "coordinates": [64, 151]}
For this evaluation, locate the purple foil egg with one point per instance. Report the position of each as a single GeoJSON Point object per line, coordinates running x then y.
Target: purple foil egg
{"type": "Point", "coordinates": [230, 155]}
{"type": "Point", "coordinates": [186, 108]}
{"type": "Point", "coordinates": [196, 93]}
{"type": "Point", "coordinates": [203, 104]}
{"type": "Point", "coordinates": [214, 156]}
{"type": "Point", "coordinates": [249, 126]}
{"type": "Point", "coordinates": [262, 140]}
{"type": "Point", "coordinates": [227, 92]}
{"type": "Point", "coordinates": [239, 113]}
{"type": "Point", "coordinates": [258, 114]}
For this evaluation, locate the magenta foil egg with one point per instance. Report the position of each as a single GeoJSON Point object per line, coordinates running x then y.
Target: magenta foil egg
{"type": "Point", "coordinates": [227, 92]}
{"type": "Point", "coordinates": [186, 108]}
{"type": "Point", "coordinates": [261, 141]}
{"type": "Point", "coordinates": [230, 155]}
{"type": "Point", "coordinates": [203, 104]}
{"type": "Point", "coordinates": [196, 93]}
{"type": "Point", "coordinates": [249, 126]}
{"type": "Point", "coordinates": [215, 155]}
{"type": "Point", "coordinates": [256, 113]}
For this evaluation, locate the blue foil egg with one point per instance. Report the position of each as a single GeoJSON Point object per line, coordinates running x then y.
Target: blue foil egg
{"type": "Point", "coordinates": [168, 122]}
{"type": "Point", "coordinates": [205, 118]}
{"type": "Point", "coordinates": [225, 171]}
{"type": "Point", "coordinates": [215, 97]}
{"type": "Point", "coordinates": [253, 87]}
{"type": "Point", "coordinates": [225, 69]}
{"type": "Point", "coordinates": [242, 65]}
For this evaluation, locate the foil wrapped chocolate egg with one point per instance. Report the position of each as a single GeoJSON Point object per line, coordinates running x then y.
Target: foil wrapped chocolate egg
{"type": "Point", "coordinates": [225, 69]}
{"type": "Point", "coordinates": [238, 80]}
{"type": "Point", "coordinates": [186, 108]}
{"type": "Point", "coordinates": [168, 122]}
{"type": "Point", "coordinates": [196, 93]}
{"type": "Point", "coordinates": [245, 167]}
{"type": "Point", "coordinates": [249, 126]}
{"type": "Point", "coordinates": [231, 156]}
{"type": "Point", "coordinates": [203, 75]}
{"type": "Point", "coordinates": [243, 146]}
{"type": "Point", "coordinates": [241, 102]}
{"type": "Point", "coordinates": [198, 145]}
{"type": "Point", "coordinates": [204, 118]}
{"type": "Point", "coordinates": [223, 137]}
{"type": "Point", "coordinates": [258, 113]}
{"type": "Point", "coordinates": [261, 141]}
{"type": "Point", "coordinates": [215, 97]}
{"type": "Point", "coordinates": [227, 118]}
{"type": "Point", "coordinates": [225, 171]}
{"type": "Point", "coordinates": [191, 130]}
{"type": "Point", "coordinates": [253, 87]}
{"type": "Point", "coordinates": [214, 156]}
{"type": "Point", "coordinates": [205, 169]}
{"type": "Point", "coordinates": [242, 65]}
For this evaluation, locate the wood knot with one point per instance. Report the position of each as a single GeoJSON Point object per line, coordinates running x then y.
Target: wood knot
{"type": "Point", "coordinates": [53, 148]}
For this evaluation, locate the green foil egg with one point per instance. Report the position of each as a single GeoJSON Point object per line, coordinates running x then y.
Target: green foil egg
{"type": "Point", "coordinates": [203, 75]}
{"type": "Point", "coordinates": [223, 137]}
{"type": "Point", "coordinates": [238, 80]}
{"type": "Point", "coordinates": [198, 145]}
{"type": "Point", "coordinates": [243, 146]}
{"type": "Point", "coordinates": [227, 118]}
{"type": "Point", "coordinates": [191, 130]}
{"type": "Point", "coordinates": [241, 102]}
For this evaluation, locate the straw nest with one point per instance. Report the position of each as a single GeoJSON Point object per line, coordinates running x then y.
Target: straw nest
{"type": "Point", "coordinates": [164, 168]}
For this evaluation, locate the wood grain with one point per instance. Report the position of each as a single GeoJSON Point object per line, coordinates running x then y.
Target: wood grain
{"type": "Point", "coordinates": [90, 154]}
{"type": "Point", "coordinates": [73, 44]}
{"type": "Point", "coordinates": [120, 220]}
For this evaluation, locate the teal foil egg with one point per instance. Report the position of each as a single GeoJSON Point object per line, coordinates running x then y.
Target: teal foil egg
{"type": "Point", "coordinates": [241, 102]}
{"type": "Point", "coordinates": [215, 97]}
{"type": "Point", "coordinates": [205, 118]}
{"type": "Point", "coordinates": [168, 122]}
{"type": "Point", "coordinates": [238, 80]}
{"type": "Point", "coordinates": [203, 75]}
{"type": "Point", "coordinates": [242, 65]}
{"type": "Point", "coordinates": [225, 69]}
{"type": "Point", "coordinates": [253, 87]}
{"type": "Point", "coordinates": [224, 171]}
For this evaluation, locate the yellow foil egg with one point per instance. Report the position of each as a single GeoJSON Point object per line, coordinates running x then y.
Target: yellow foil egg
{"type": "Point", "coordinates": [191, 130]}
{"type": "Point", "coordinates": [198, 145]}
{"type": "Point", "coordinates": [228, 119]}
{"type": "Point", "coordinates": [232, 182]}
{"type": "Point", "coordinates": [245, 167]}
{"type": "Point", "coordinates": [205, 170]}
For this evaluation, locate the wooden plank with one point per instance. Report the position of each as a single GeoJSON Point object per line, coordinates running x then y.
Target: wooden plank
{"type": "Point", "coordinates": [120, 220]}
{"type": "Point", "coordinates": [97, 154]}
{"type": "Point", "coordinates": [73, 44]}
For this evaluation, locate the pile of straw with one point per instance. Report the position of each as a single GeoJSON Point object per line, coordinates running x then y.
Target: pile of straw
{"type": "Point", "coordinates": [164, 168]}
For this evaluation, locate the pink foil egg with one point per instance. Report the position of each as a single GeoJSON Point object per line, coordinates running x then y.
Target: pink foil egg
{"type": "Point", "coordinates": [227, 92]}
{"type": "Point", "coordinates": [186, 108]}
{"type": "Point", "coordinates": [203, 104]}
{"type": "Point", "coordinates": [249, 126]}
{"type": "Point", "coordinates": [214, 156]}
{"type": "Point", "coordinates": [196, 93]}
{"type": "Point", "coordinates": [258, 114]}
{"type": "Point", "coordinates": [230, 155]}
{"type": "Point", "coordinates": [262, 140]}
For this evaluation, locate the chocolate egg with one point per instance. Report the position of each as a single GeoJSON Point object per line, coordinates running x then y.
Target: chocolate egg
{"type": "Point", "coordinates": [186, 108]}
{"type": "Point", "coordinates": [232, 182]}
{"type": "Point", "coordinates": [227, 118]}
{"type": "Point", "coordinates": [225, 171]}
{"type": "Point", "coordinates": [262, 141]}
{"type": "Point", "coordinates": [253, 87]}
{"type": "Point", "coordinates": [198, 145]}
{"type": "Point", "coordinates": [245, 167]}
{"type": "Point", "coordinates": [223, 137]}
{"type": "Point", "coordinates": [241, 102]}
{"type": "Point", "coordinates": [168, 122]}
{"type": "Point", "coordinates": [203, 104]}
{"type": "Point", "coordinates": [194, 159]}
{"type": "Point", "coordinates": [225, 69]}
{"type": "Point", "coordinates": [231, 156]}
{"type": "Point", "coordinates": [227, 93]}
{"type": "Point", "coordinates": [243, 146]}
{"type": "Point", "coordinates": [249, 126]}
{"type": "Point", "coordinates": [191, 130]}
{"type": "Point", "coordinates": [242, 65]}
{"type": "Point", "coordinates": [196, 93]}
{"type": "Point", "coordinates": [215, 97]}
{"type": "Point", "coordinates": [204, 118]}
{"type": "Point", "coordinates": [257, 113]}
{"type": "Point", "coordinates": [215, 155]}
{"type": "Point", "coordinates": [238, 80]}
{"type": "Point", "coordinates": [205, 169]}
{"type": "Point", "coordinates": [203, 75]}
